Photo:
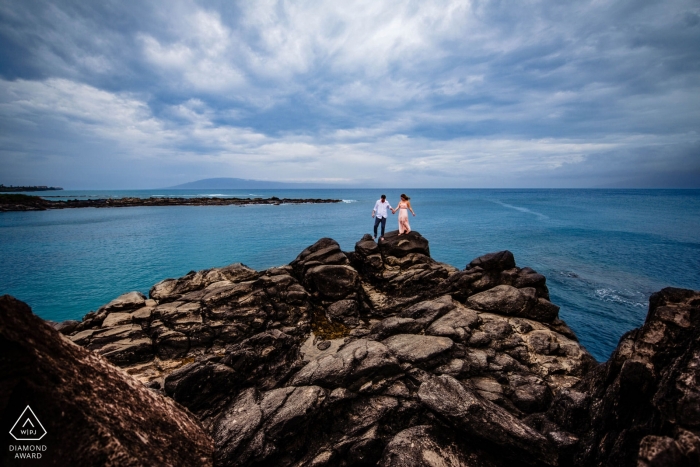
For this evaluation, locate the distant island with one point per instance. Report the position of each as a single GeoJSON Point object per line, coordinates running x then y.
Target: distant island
{"type": "Point", "coordinates": [17, 189]}
{"type": "Point", "coordinates": [245, 184]}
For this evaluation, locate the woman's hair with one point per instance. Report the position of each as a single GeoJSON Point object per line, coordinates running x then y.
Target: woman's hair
{"type": "Point", "coordinates": [405, 197]}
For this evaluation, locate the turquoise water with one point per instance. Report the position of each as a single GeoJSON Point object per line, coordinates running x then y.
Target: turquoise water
{"type": "Point", "coordinates": [603, 251]}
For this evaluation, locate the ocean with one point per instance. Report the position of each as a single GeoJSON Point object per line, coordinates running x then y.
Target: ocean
{"type": "Point", "coordinates": [603, 251]}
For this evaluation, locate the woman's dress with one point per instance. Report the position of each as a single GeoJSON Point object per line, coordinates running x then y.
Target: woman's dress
{"type": "Point", "coordinates": [404, 227]}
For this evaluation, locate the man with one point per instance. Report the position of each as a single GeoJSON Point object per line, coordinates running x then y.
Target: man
{"type": "Point", "coordinates": [380, 208]}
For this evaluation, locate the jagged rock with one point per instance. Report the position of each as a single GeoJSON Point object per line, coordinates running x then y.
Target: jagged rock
{"type": "Point", "coordinates": [352, 365]}
{"type": "Point", "coordinates": [344, 311]}
{"type": "Point", "coordinates": [529, 394]}
{"type": "Point", "coordinates": [116, 319]}
{"type": "Point", "coordinates": [457, 324]}
{"type": "Point", "coordinates": [642, 406]}
{"type": "Point", "coordinates": [480, 418]}
{"type": "Point", "coordinates": [326, 251]}
{"type": "Point", "coordinates": [386, 356]}
{"type": "Point", "coordinates": [202, 385]}
{"type": "Point", "coordinates": [128, 301]}
{"type": "Point", "coordinates": [429, 310]}
{"type": "Point", "coordinates": [500, 260]}
{"type": "Point", "coordinates": [425, 445]}
{"type": "Point", "coordinates": [66, 327]}
{"type": "Point", "coordinates": [489, 271]}
{"type": "Point", "coordinates": [406, 267]}
{"type": "Point", "coordinates": [396, 325]}
{"type": "Point", "coordinates": [508, 300]}
{"type": "Point", "coordinates": [333, 282]}
{"type": "Point", "coordinates": [128, 351]}
{"type": "Point", "coordinates": [368, 258]}
{"type": "Point", "coordinates": [262, 360]}
{"type": "Point", "coordinates": [255, 426]}
{"type": "Point", "coordinates": [381, 304]}
{"type": "Point", "coordinates": [401, 245]}
{"type": "Point", "coordinates": [325, 270]}
{"type": "Point", "coordinates": [545, 311]}
{"type": "Point", "coordinates": [528, 277]}
{"type": "Point", "coordinates": [504, 299]}
{"type": "Point", "coordinates": [412, 348]}
{"type": "Point", "coordinates": [93, 413]}
{"type": "Point", "coordinates": [171, 345]}
{"type": "Point", "coordinates": [236, 425]}
{"type": "Point", "coordinates": [171, 289]}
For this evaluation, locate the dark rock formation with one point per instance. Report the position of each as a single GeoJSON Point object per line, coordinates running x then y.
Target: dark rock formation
{"type": "Point", "coordinates": [384, 356]}
{"type": "Point", "coordinates": [92, 412]}
{"type": "Point", "coordinates": [36, 203]}
{"type": "Point", "coordinates": [642, 407]}
{"type": "Point", "coordinates": [15, 189]}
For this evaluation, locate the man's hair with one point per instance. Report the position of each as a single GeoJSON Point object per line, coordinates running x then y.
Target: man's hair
{"type": "Point", "coordinates": [383, 196]}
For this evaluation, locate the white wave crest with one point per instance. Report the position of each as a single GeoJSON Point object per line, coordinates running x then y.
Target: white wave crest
{"type": "Point", "coordinates": [617, 296]}
{"type": "Point", "coordinates": [521, 209]}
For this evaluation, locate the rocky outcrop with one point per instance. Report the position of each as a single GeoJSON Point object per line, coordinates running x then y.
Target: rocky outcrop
{"type": "Point", "coordinates": [642, 407]}
{"type": "Point", "coordinates": [92, 413]}
{"type": "Point", "coordinates": [384, 356]}
{"type": "Point", "coordinates": [36, 203]}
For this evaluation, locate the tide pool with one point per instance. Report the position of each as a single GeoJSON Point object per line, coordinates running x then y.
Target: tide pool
{"type": "Point", "coordinates": [603, 251]}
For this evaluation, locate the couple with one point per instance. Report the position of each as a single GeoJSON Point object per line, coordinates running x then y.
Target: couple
{"type": "Point", "coordinates": [380, 208]}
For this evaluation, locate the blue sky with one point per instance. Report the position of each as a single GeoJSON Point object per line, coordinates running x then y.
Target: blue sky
{"type": "Point", "coordinates": [120, 94]}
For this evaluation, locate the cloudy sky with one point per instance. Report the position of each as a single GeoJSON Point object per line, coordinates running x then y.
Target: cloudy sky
{"type": "Point", "coordinates": [429, 93]}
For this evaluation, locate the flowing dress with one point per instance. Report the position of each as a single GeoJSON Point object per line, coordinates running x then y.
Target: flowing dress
{"type": "Point", "coordinates": [404, 227]}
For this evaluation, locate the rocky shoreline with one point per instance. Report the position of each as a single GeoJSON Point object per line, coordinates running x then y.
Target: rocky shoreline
{"type": "Point", "coordinates": [36, 203]}
{"type": "Point", "coordinates": [383, 356]}
{"type": "Point", "coordinates": [19, 189]}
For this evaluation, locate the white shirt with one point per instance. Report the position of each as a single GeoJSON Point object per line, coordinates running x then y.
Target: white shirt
{"type": "Point", "coordinates": [380, 208]}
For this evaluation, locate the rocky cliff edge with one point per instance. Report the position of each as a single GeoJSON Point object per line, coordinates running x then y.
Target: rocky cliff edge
{"type": "Point", "coordinates": [383, 356]}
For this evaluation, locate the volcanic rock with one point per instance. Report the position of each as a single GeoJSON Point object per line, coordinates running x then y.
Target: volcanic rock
{"type": "Point", "coordinates": [398, 246]}
{"type": "Point", "coordinates": [128, 301]}
{"type": "Point", "coordinates": [482, 419]}
{"type": "Point", "coordinates": [501, 260]}
{"type": "Point", "coordinates": [354, 362]}
{"type": "Point", "coordinates": [92, 412]}
{"type": "Point", "coordinates": [384, 356]}
{"type": "Point", "coordinates": [426, 445]}
{"type": "Point", "coordinates": [642, 407]}
{"type": "Point", "coordinates": [35, 203]}
{"type": "Point", "coordinates": [413, 349]}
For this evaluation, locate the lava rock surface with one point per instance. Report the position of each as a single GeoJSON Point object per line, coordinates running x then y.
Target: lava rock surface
{"type": "Point", "coordinates": [92, 412]}
{"type": "Point", "coordinates": [384, 356]}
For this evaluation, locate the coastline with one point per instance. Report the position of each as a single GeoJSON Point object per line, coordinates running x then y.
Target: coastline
{"type": "Point", "coordinates": [360, 354]}
{"type": "Point", "coordinates": [595, 247]}
{"type": "Point", "coordinates": [20, 189]}
{"type": "Point", "coordinates": [18, 202]}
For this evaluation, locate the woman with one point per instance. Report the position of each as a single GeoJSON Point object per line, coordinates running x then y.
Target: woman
{"type": "Point", "coordinates": [403, 208]}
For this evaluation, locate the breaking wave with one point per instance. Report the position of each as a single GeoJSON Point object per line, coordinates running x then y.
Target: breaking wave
{"type": "Point", "coordinates": [521, 209]}
{"type": "Point", "coordinates": [635, 299]}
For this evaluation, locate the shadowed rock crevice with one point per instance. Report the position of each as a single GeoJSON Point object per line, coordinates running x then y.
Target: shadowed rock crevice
{"type": "Point", "coordinates": [384, 356]}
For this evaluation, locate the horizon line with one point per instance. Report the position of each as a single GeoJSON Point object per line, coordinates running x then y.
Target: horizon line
{"type": "Point", "coordinates": [383, 188]}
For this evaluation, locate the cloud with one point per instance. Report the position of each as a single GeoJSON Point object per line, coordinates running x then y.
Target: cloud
{"type": "Point", "coordinates": [443, 93]}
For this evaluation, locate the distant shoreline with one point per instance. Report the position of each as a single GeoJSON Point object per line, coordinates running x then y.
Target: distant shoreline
{"type": "Point", "coordinates": [19, 189]}
{"type": "Point", "coordinates": [17, 202]}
